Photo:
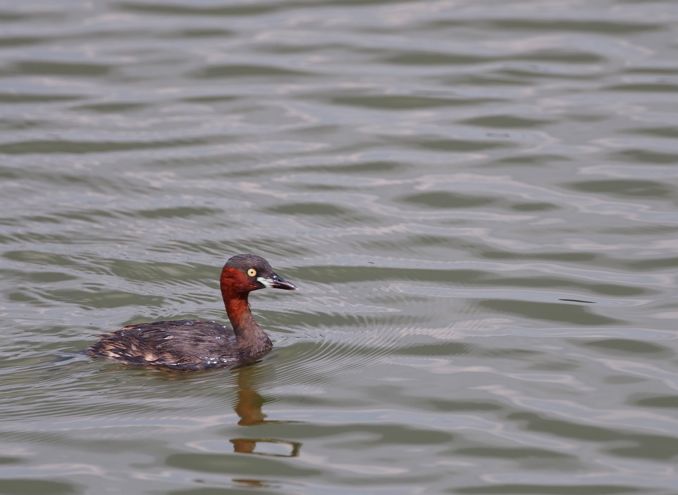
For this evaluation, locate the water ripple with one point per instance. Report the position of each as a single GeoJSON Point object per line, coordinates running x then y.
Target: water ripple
{"type": "Point", "coordinates": [477, 203]}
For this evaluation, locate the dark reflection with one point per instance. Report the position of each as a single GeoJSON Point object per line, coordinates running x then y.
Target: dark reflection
{"type": "Point", "coordinates": [248, 408]}
{"type": "Point", "coordinates": [250, 483]}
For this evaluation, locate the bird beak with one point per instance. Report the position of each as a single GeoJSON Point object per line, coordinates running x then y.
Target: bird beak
{"type": "Point", "coordinates": [275, 281]}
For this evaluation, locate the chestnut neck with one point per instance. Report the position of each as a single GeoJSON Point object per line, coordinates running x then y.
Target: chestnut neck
{"type": "Point", "coordinates": [239, 313]}
{"type": "Point", "coordinates": [249, 335]}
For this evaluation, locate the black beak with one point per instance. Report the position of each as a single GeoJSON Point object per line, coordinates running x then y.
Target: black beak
{"type": "Point", "coordinates": [275, 281]}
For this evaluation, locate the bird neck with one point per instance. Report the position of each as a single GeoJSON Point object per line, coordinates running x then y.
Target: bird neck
{"type": "Point", "coordinates": [248, 334]}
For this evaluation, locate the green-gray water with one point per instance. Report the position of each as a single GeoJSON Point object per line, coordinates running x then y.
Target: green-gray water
{"type": "Point", "coordinates": [477, 200]}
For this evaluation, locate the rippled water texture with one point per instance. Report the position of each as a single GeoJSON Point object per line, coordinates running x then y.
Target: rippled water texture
{"type": "Point", "coordinates": [476, 199]}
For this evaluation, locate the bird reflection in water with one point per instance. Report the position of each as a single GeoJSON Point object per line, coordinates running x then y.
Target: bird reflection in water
{"type": "Point", "coordinates": [248, 409]}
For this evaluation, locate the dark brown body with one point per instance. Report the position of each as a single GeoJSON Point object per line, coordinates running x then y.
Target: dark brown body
{"type": "Point", "coordinates": [201, 344]}
{"type": "Point", "coordinates": [179, 344]}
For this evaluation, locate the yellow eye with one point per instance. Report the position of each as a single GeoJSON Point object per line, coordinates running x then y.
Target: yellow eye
{"type": "Point", "coordinates": [252, 272]}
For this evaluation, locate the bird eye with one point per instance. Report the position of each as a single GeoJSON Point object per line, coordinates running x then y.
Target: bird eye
{"type": "Point", "coordinates": [251, 272]}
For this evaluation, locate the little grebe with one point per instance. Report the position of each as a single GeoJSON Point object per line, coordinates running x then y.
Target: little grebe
{"type": "Point", "coordinates": [200, 344]}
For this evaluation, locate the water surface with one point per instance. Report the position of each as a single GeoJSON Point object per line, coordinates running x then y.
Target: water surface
{"type": "Point", "coordinates": [477, 201]}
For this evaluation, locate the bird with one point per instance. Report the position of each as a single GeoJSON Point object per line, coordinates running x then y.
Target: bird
{"type": "Point", "coordinates": [191, 345]}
